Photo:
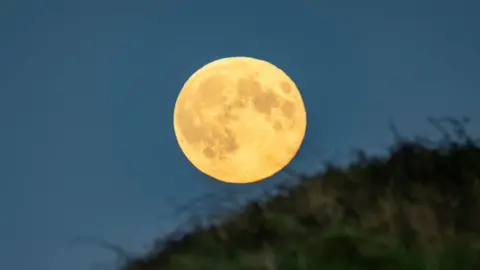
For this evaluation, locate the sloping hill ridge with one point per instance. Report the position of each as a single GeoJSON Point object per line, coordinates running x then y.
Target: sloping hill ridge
{"type": "Point", "coordinates": [418, 208]}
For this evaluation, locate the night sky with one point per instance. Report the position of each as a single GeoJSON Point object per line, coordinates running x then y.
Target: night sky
{"type": "Point", "coordinates": [87, 91]}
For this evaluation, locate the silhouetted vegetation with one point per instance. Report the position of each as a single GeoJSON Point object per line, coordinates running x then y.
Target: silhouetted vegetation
{"type": "Point", "coordinates": [417, 208]}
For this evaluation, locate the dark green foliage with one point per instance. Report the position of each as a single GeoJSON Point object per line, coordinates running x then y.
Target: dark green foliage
{"type": "Point", "coordinates": [418, 208]}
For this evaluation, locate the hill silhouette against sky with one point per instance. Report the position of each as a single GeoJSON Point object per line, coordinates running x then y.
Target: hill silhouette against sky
{"type": "Point", "coordinates": [416, 208]}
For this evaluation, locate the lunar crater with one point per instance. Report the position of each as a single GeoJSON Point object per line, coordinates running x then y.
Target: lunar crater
{"type": "Point", "coordinates": [286, 88]}
{"type": "Point", "coordinates": [265, 101]}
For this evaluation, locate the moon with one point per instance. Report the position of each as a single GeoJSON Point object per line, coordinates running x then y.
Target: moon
{"type": "Point", "coordinates": [239, 119]}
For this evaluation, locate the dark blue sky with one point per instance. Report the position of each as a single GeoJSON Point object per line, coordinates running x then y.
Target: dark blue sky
{"type": "Point", "coordinates": [87, 90]}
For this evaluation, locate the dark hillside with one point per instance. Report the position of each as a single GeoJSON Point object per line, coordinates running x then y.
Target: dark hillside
{"type": "Point", "coordinates": [417, 208]}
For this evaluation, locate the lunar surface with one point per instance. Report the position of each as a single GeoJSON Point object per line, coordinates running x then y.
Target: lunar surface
{"type": "Point", "coordinates": [239, 119]}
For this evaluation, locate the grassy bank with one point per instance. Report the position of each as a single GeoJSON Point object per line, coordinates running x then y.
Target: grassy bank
{"type": "Point", "coordinates": [417, 208]}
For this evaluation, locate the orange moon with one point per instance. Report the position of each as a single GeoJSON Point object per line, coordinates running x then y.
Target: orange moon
{"type": "Point", "coordinates": [239, 119]}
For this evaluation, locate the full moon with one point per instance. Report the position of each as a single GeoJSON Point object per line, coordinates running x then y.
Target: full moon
{"type": "Point", "coordinates": [239, 119]}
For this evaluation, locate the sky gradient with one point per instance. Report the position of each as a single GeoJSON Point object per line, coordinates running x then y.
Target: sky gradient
{"type": "Point", "coordinates": [87, 91]}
